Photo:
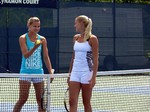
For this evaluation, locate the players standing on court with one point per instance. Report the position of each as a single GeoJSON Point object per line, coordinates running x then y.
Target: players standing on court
{"type": "Point", "coordinates": [32, 63]}
{"type": "Point", "coordinates": [84, 64]}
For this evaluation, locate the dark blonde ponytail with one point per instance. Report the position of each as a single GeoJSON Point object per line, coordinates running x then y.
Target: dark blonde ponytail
{"type": "Point", "coordinates": [88, 30]}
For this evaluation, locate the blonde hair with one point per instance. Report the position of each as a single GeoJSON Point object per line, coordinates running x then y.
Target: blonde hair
{"type": "Point", "coordinates": [31, 20]}
{"type": "Point", "coordinates": [88, 25]}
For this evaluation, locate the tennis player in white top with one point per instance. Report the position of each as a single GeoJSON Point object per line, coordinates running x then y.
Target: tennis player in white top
{"type": "Point", "coordinates": [84, 64]}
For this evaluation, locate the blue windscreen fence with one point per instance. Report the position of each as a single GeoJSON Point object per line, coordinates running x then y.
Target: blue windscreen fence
{"type": "Point", "coordinates": [122, 30]}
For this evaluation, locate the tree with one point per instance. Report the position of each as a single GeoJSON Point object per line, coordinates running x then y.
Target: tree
{"type": "Point", "coordinates": [117, 1]}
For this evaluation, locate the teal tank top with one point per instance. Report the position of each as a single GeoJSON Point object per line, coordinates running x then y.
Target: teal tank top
{"type": "Point", "coordinates": [32, 64]}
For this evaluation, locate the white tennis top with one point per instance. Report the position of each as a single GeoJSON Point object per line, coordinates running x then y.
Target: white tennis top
{"type": "Point", "coordinates": [83, 57]}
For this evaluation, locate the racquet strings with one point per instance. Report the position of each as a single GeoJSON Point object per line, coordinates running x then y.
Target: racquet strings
{"type": "Point", "coordinates": [44, 98]}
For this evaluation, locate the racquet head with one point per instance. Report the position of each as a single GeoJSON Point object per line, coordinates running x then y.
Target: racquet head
{"type": "Point", "coordinates": [44, 99]}
{"type": "Point", "coordinates": [66, 100]}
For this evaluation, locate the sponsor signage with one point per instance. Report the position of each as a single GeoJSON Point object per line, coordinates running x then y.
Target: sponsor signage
{"type": "Point", "coordinates": [29, 3]}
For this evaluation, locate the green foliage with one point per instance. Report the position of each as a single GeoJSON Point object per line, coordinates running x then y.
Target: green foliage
{"type": "Point", "coordinates": [117, 1]}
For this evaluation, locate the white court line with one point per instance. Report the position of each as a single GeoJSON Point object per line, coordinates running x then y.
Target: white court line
{"type": "Point", "coordinates": [141, 90]}
{"type": "Point", "coordinates": [8, 107]}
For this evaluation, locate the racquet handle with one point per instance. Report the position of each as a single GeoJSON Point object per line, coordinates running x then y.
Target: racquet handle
{"type": "Point", "coordinates": [53, 70]}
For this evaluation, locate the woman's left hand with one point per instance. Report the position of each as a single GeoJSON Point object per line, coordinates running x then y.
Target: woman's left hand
{"type": "Point", "coordinates": [92, 82]}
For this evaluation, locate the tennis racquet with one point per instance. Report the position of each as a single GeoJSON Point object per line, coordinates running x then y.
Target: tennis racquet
{"type": "Point", "coordinates": [66, 100]}
{"type": "Point", "coordinates": [44, 97]}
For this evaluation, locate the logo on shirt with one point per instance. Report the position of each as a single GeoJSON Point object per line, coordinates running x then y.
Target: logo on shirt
{"type": "Point", "coordinates": [34, 61]}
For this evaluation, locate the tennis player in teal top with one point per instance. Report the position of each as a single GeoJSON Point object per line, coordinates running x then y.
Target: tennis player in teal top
{"type": "Point", "coordinates": [32, 46]}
